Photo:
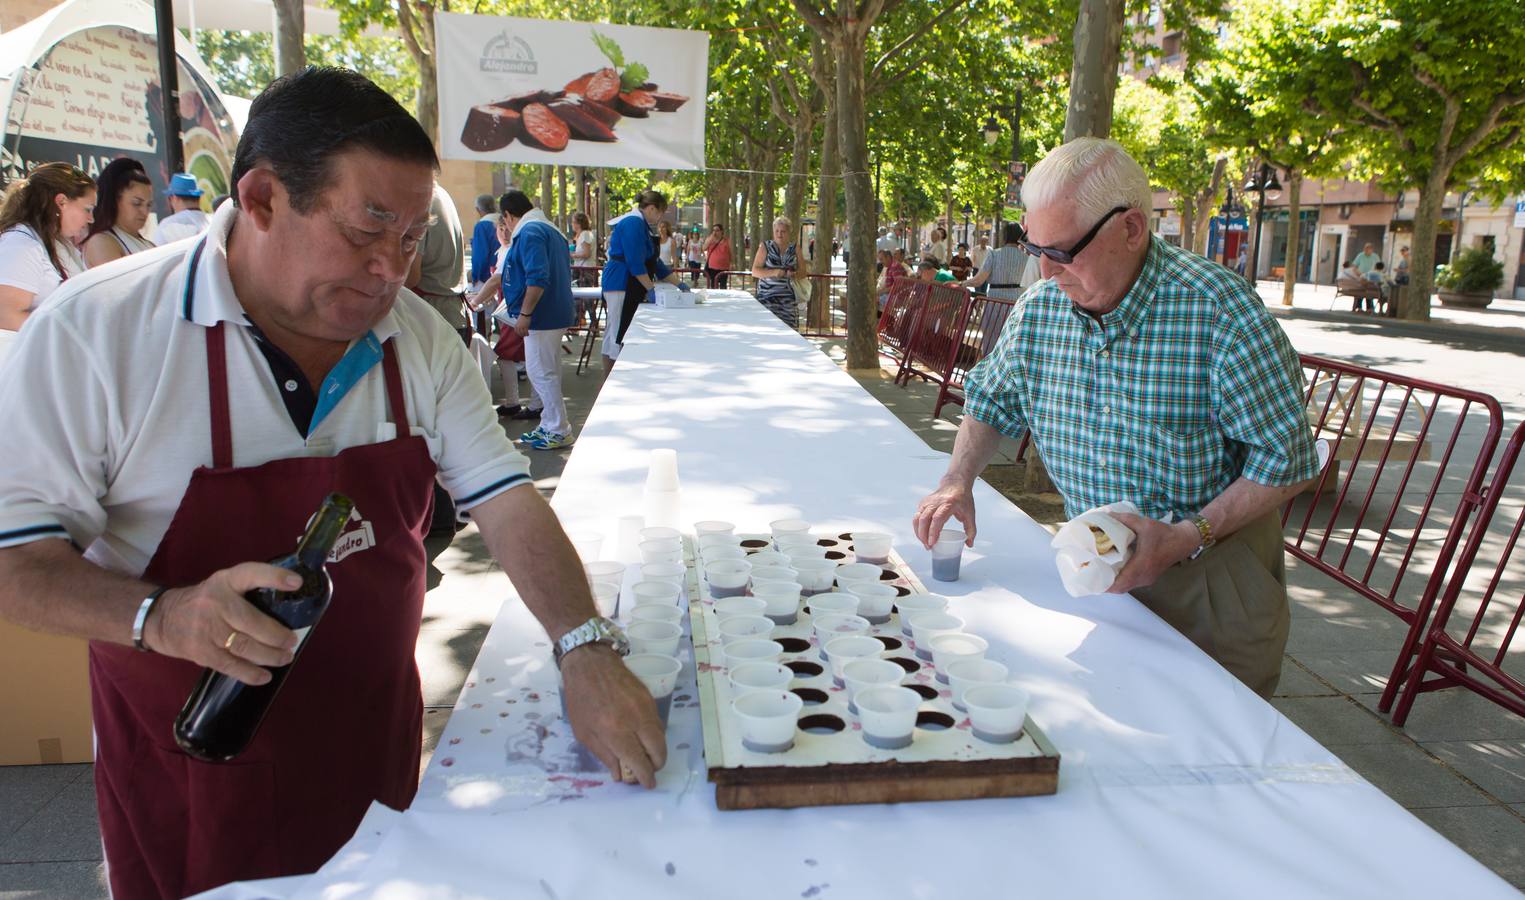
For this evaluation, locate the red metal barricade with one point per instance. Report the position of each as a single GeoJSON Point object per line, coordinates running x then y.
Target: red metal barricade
{"type": "Point", "coordinates": [982, 327]}
{"type": "Point", "coordinates": [937, 334]}
{"type": "Point", "coordinates": [1460, 661]}
{"type": "Point", "coordinates": [898, 317]}
{"type": "Point", "coordinates": [1406, 459]}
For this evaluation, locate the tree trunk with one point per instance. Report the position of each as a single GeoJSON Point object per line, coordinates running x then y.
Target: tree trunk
{"type": "Point", "coordinates": [1416, 300]}
{"type": "Point", "coordinates": [799, 169]}
{"type": "Point", "coordinates": [1205, 208]}
{"type": "Point", "coordinates": [546, 200]}
{"type": "Point", "coordinates": [1294, 234]}
{"type": "Point", "coordinates": [1093, 75]}
{"type": "Point", "coordinates": [769, 210]}
{"type": "Point", "coordinates": [290, 24]}
{"type": "Point", "coordinates": [1188, 211]}
{"type": "Point", "coordinates": [417, 27]}
{"type": "Point", "coordinates": [826, 215]}
{"type": "Point", "coordinates": [750, 198]}
{"type": "Point", "coordinates": [852, 126]}
{"type": "Point", "coordinates": [948, 218]}
{"type": "Point", "coordinates": [561, 198]}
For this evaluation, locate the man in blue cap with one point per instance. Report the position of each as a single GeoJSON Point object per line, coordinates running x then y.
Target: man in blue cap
{"type": "Point", "coordinates": [187, 219]}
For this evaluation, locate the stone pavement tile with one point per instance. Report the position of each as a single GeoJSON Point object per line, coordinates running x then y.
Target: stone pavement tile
{"type": "Point", "coordinates": [1492, 834]}
{"type": "Point", "coordinates": [1456, 715]}
{"type": "Point", "coordinates": [1408, 775]}
{"type": "Point", "coordinates": [1296, 682]}
{"type": "Point", "coordinates": [24, 790]}
{"type": "Point", "coordinates": [64, 830]}
{"type": "Point", "coordinates": [444, 657]}
{"type": "Point", "coordinates": [1497, 767]}
{"type": "Point", "coordinates": [1351, 671]}
{"type": "Point", "coordinates": [1336, 720]}
{"type": "Point", "coordinates": [71, 880]}
{"type": "Point", "coordinates": [1321, 634]}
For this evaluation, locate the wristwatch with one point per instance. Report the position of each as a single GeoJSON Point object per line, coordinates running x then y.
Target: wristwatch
{"type": "Point", "coordinates": [597, 630]}
{"type": "Point", "coordinates": [1205, 529]}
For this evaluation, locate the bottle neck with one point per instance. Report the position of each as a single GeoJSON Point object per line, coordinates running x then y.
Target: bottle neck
{"type": "Point", "coordinates": [323, 531]}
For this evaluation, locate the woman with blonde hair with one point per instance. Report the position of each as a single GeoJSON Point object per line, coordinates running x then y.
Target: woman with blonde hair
{"type": "Point", "coordinates": [41, 219]}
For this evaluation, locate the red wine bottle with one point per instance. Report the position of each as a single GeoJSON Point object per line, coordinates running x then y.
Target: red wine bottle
{"type": "Point", "coordinates": [222, 714]}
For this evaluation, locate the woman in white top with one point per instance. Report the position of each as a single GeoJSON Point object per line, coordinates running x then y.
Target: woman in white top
{"type": "Point", "coordinates": [584, 252]}
{"type": "Point", "coordinates": [939, 248]}
{"type": "Point", "coordinates": [667, 246]}
{"type": "Point", "coordinates": [41, 218]}
{"type": "Point", "coordinates": [125, 199]}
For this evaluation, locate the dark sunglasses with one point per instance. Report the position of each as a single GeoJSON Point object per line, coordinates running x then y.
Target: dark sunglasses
{"type": "Point", "coordinates": [1065, 257]}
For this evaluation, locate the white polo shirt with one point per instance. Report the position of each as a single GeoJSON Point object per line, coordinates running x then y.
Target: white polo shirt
{"type": "Point", "coordinates": [101, 433]}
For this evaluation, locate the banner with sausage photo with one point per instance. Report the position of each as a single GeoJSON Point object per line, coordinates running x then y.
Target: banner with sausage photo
{"type": "Point", "coordinates": [571, 93]}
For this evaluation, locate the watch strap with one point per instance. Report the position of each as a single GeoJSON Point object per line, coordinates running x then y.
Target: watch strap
{"type": "Point", "coordinates": [140, 621]}
{"type": "Point", "coordinates": [594, 631]}
{"type": "Point", "coordinates": [1205, 530]}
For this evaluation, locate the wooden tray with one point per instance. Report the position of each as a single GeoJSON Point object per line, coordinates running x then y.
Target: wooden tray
{"type": "Point", "coordinates": [826, 768]}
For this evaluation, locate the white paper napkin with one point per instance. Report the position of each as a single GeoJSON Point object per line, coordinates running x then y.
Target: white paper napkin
{"type": "Point", "coordinates": [1083, 570]}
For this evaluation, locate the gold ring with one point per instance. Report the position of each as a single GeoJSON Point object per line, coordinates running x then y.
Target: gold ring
{"type": "Point", "coordinates": [228, 644]}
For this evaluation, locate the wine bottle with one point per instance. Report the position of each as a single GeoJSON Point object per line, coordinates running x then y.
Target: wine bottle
{"type": "Point", "coordinates": [222, 714]}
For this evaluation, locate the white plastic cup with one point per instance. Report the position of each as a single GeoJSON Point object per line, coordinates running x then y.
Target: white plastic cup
{"type": "Point", "coordinates": [728, 577]}
{"type": "Point", "coordinates": [628, 536]}
{"type": "Point", "coordinates": [967, 673]}
{"type": "Point", "coordinates": [749, 650]}
{"type": "Point", "coordinates": [835, 626]}
{"type": "Point", "coordinates": [844, 650]}
{"type": "Point", "coordinates": [927, 625]}
{"type": "Point", "coordinates": [857, 572]}
{"type": "Point", "coordinates": [759, 676]}
{"type": "Point", "coordinates": [743, 627]}
{"type": "Point", "coordinates": [834, 603]}
{"type": "Point", "coordinates": [588, 544]}
{"type": "Point", "coordinates": [657, 612]}
{"type": "Point", "coordinates": [872, 546]}
{"type": "Point", "coordinates": [662, 533]}
{"type": "Point", "coordinates": [713, 553]}
{"type": "Point", "coordinates": [996, 711]}
{"type": "Point", "coordinates": [670, 572]}
{"type": "Point", "coordinates": [816, 576]}
{"type": "Point", "coordinates": [714, 526]}
{"type": "Point", "coordinates": [768, 720]}
{"type": "Point", "coordinates": [773, 573]}
{"type": "Point", "coordinates": [800, 545]}
{"type": "Point", "coordinates": [731, 607]}
{"type": "Point", "coordinates": [888, 715]}
{"type": "Point", "coordinates": [716, 539]}
{"type": "Point", "coordinates": [918, 603]}
{"type": "Point", "coordinates": [662, 470]}
{"type": "Point", "coordinates": [781, 527]}
{"type": "Point", "coordinates": [660, 675]}
{"type": "Point", "coordinates": [767, 558]}
{"type": "Point", "coordinates": [606, 596]}
{"type": "Point", "coordinates": [780, 600]}
{"type": "Point", "coordinates": [660, 552]}
{"type": "Point", "coordinates": [605, 571]}
{"type": "Point", "coordinates": [860, 674]}
{"type": "Point", "coordinates": [875, 599]}
{"type": "Point", "coordinates": [947, 555]}
{"type": "Point", "coordinates": [660, 638]}
{"type": "Point", "coordinates": [660, 593]}
{"type": "Point", "coordinates": [955, 647]}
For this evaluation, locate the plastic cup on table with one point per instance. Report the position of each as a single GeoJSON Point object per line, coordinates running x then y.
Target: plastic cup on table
{"type": "Point", "coordinates": [836, 625]}
{"type": "Point", "coordinates": [834, 603]}
{"type": "Point", "coordinates": [996, 711]}
{"type": "Point", "coordinates": [872, 546]}
{"type": "Point", "coordinates": [927, 625]}
{"type": "Point", "coordinates": [749, 650]}
{"type": "Point", "coordinates": [967, 673]}
{"type": "Point", "coordinates": [661, 533]}
{"type": "Point", "coordinates": [858, 572]}
{"type": "Point", "coordinates": [888, 715]}
{"type": "Point", "coordinates": [588, 544]}
{"type": "Point", "coordinates": [657, 612]}
{"type": "Point", "coordinates": [780, 600]}
{"type": "Point", "coordinates": [728, 577]}
{"type": "Point", "coordinates": [768, 720]}
{"type": "Point", "coordinates": [953, 647]}
{"type": "Point", "coordinates": [759, 676]}
{"type": "Point", "coordinates": [660, 638]}
{"type": "Point", "coordinates": [606, 596]}
{"type": "Point", "coordinates": [781, 527]}
{"type": "Point", "coordinates": [656, 593]}
{"type": "Point", "coordinates": [875, 599]}
{"type": "Point", "coordinates": [767, 558]}
{"type": "Point", "coordinates": [800, 546]}
{"type": "Point", "coordinates": [918, 603]}
{"type": "Point", "coordinates": [866, 673]}
{"type": "Point", "coordinates": [844, 650]}
{"type": "Point", "coordinates": [816, 576]}
{"type": "Point", "coordinates": [714, 553]}
{"type": "Point", "coordinates": [660, 552]}
{"type": "Point", "coordinates": [947, 555]}
{"type": "Point", "coordinates": [730, 607]}
{"type": "Point", "coordinates": [628, 537]}
{"type": "Point", "coordinates": [773, 573]}
{"type": "Point", "coordinates": [745, 627]}
{"type": "Point", "coordinates": [662, 470]}
{"type": "Point", "coordinates": [669, 572]}
{"type": "Point", "coordinates": [713, 526]}
{"type": "Point", "coordinates": [660, 675]}
{"type": "Point", "coordinates": [718, 540]}
{"type": "Point", "coordinates": [605, 571]}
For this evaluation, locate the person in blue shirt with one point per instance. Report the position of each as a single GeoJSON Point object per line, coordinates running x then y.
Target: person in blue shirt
{"type": "Point", "coordinates": [632, 269]}
{"type": "Point", "coordinates": [484, 241]}
{"type": "Point", "coordinates": [537, 305]}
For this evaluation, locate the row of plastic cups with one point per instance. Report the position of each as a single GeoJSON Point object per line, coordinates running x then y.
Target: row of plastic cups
{"type": "Point", "coordinates": [659, 673]}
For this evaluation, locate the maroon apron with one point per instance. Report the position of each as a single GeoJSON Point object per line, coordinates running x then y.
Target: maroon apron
{"type": "Point", "coordinates": [346, 727]}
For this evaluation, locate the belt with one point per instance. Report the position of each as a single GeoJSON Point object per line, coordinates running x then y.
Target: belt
{"type": "Point", "coordinates": [1000, 287]}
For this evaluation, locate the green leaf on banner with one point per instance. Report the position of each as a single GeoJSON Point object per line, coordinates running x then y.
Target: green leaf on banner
{"type": "Point", "coordinates": [610, 49]}
{"type": "Point", "coordinates": [633, 77]}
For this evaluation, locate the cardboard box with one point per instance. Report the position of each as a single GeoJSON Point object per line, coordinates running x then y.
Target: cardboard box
{"type": "Point", "coordinates": [44, 698]}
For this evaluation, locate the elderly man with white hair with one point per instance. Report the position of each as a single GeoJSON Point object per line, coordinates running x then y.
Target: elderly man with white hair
{"type": "Point", "coordinates": [1147, 373]}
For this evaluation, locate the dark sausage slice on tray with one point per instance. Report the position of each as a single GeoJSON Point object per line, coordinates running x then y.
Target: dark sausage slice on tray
{"type": "Point", "coordinates": [603, 86]}
{"type": "Point", "coordinates": [601, 111]}
{"type": "Point", "coordinates": [544, 129]}
{"type": "Point", "coordinates": [490, 127]}
{"type": "Point", "coordinates": [636, 104]}
{"type": "Point", "coordinates": [667, 102]}
{"type": "Point", "coordinates": [579, 85]}
{"type": "Point", "coordinates": [584, 125]}
{"type": "Point", "coordinates": [519, 101]}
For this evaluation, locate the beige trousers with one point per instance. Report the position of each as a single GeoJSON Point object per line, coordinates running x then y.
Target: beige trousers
{"type": "Point", "coordinates": [1232, 602]}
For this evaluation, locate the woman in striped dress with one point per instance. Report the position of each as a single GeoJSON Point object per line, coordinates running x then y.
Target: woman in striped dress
{"type": "Point", "coordinates": [1006, 272]}
{"type": "Point", "coordinates": [773, 266]}
{"type": "Point", "coordinates": [125, 199]}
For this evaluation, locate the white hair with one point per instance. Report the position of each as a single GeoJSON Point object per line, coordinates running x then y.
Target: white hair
{"type": "Point", "coordinates": [782, 220]}
{"type": "Point", "coordinates": [1095, 174]}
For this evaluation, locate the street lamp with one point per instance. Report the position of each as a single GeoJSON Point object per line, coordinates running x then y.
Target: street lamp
{"type": "Point", "coordinates": [992, 131]}
{"type": "Point", "coordinates": [1264, 184]}
{"type": "Point", "coordinates": [967, 211]}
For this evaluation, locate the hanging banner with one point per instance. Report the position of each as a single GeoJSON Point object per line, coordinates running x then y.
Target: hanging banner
{"type": "Point", "coordinates": [571, 93]}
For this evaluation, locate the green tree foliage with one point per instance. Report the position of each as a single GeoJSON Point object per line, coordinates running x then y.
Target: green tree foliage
{"type": "Point", "coordinates": [243, 62]}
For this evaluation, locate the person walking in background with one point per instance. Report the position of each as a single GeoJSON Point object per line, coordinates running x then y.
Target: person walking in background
{"type": "Point", "coordinates": [537, 305]}
{"type": "Point", "coordinates": [717, 257]}
{"type": "Point", "coordinates": [961, 265]}
{"type": "Point", "coordinates": [484, 241]}
{"type": "Point", "coordinates": [774, 266]}
{"type": "Point", "coordinates": [124, 200]}
{"type": "Point", "coordinates": [186, 218]}
{"type": "Point", "coordinates": [41, 218]}
{"type": "Point", "coordinates": [981, 250]}
{"type": "Point", "coordinates": [632, 270]}
{"type": "Point", "coordinates": [694, 248]}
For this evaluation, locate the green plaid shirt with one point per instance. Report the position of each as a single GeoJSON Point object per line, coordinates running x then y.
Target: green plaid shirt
{"type": "Point", "coordinates": [1186, 386]}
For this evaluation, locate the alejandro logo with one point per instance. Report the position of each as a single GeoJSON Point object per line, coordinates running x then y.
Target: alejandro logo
{"type": "Point", "coordinates": [357, 536]}
{"type": "Point", "coordinates": [509, 54]}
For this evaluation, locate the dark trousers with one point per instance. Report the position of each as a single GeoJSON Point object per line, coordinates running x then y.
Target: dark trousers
{"type": "Point", "coordinates": [717, 277]}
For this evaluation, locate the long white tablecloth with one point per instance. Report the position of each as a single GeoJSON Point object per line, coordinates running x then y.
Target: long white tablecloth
{"type": "Point", "coordinates": [1175, 781]}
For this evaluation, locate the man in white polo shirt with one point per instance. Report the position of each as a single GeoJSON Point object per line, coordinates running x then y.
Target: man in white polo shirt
{"type": "Point", "coordinates": [185, 412]}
